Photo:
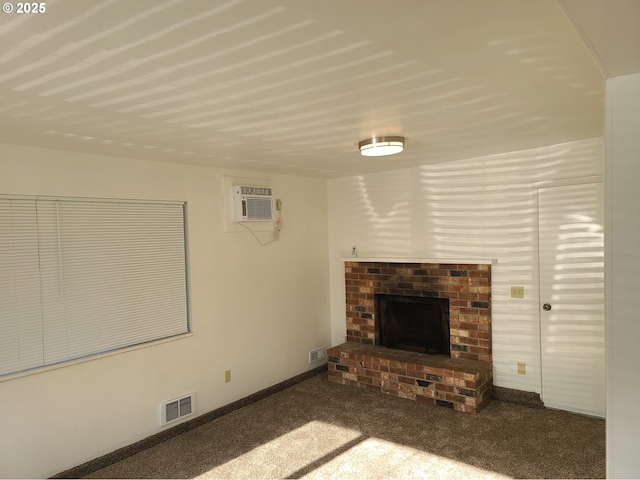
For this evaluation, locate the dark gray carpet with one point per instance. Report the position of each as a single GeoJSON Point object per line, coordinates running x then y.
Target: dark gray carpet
{"type": "Point", "coordinates": [318, 429]}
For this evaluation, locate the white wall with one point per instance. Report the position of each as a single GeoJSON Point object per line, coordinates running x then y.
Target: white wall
{"type": "Point", "coordinates": [256, 310]}
{"type": "Point", "coordinates": [476, 208]}
{"type": "Point", "coordinates": [622, 241]}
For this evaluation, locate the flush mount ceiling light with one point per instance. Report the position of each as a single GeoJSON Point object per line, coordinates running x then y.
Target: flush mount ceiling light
{"type": "Point", "coordinates": [381, 146]}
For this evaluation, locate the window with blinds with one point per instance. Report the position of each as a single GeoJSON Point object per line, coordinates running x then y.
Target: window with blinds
{"type": "Point", "coordinates": [80, 277]}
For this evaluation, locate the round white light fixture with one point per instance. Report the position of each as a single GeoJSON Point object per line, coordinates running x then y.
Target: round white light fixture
{"type": "Point", "coordinates": [381, 146]}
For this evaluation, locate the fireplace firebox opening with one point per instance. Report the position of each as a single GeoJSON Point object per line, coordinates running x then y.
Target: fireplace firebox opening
{"type": "Point", "coordinates": [417, 324]}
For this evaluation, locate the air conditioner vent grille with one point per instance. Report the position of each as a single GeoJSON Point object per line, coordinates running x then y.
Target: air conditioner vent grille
{"type": "Point", "coordinates": [259, 208]}
{"type": "Point", "coordinates": [266, 191]}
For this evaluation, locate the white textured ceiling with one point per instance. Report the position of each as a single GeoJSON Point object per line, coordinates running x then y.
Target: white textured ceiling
{"type": "Point", "coordinates": [291, 86]}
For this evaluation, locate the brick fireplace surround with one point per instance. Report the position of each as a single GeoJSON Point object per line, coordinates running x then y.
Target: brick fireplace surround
{"type": "Point", "coordinates": [462, 381]}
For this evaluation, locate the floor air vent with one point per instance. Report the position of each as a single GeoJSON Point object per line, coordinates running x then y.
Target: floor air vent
{"type": "Point", "coordinates": [317, 355]}
{"type": "Point", "coordinates": [173, 410]}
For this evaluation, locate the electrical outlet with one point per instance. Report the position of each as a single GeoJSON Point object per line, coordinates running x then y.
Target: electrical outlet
{"type": "Point", "coordinates": [227, 376]}
{"type": "Point", "coordinates": [354, 251]}
{"type": "Point", "coordinates": [517, 292]}
{"type": "Point", "coordinates": [278, 204]}
{"type": "Point", "coordinates": [522, 368]}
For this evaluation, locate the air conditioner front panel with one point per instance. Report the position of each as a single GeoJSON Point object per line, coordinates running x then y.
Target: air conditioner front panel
{"type": "Point", "coordinates": [252, 204]}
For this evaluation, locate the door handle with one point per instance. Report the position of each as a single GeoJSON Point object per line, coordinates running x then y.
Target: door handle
{"type": "Point", "coordinates": [546, 307]}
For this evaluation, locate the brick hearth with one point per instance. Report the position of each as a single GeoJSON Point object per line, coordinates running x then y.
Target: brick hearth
{"type": "Point", "coordinates": [464, 385]}
{"type": "Point", "coordinates": [462, 381]}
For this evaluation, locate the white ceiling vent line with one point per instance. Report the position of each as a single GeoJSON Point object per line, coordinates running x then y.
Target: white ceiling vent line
{"type": "Point", "coordinates": [177, 408]}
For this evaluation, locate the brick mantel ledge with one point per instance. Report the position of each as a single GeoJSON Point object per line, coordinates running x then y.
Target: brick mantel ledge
{"type": "Point", "coordinates": [476, 261]}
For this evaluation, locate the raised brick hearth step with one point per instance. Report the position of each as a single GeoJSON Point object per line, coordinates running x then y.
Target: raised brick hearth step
{"type": "Point", "coordinates": [464, 385]}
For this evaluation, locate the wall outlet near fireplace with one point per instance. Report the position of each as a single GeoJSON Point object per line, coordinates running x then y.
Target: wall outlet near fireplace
{"type": "Point", "coordinates": [522, 368]}
{"type": "Point", "coordinates": [317, 355]}
{"type": "Point", "coordinates": [227, 376]}
{"type": "Point", "coordinates": [517, 292]}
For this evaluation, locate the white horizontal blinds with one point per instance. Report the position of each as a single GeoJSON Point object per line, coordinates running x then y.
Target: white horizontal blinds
{"type": "Point", "coordinates": [113, 275]}
{"type": "Point", "coordinates": [51, 271]}
{"type": "Point", "coordinates": [80, 277]}
{"type": "Point", "coordinates": [20, 318]}
{"type": "Point", "coordinates": [154, 273]}
{"type": "Point", "coordinates": [81, 306]}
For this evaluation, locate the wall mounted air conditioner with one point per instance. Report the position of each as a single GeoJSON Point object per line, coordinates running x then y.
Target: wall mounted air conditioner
{"type": "Point", "coordinates": [252, 204]}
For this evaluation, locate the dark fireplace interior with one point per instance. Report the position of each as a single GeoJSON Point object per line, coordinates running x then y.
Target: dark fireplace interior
{"type": "Point", "coordinates": [416, 324]}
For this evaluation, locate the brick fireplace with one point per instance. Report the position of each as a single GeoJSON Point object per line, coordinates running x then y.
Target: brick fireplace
{"type": "Point", "coordinates": [462, 380]}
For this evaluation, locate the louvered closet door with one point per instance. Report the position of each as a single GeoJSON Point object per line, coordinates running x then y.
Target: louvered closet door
{"type": "Point", "coordinates": [571, 255]}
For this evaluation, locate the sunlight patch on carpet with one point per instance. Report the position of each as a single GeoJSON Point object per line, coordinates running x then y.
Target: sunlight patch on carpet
{"type": "Point", "coordinates": [319, 451]}
{"type": "Point", "coordinates": [287, 454]}
{"type": "Point", "coordinates": [374, 458]}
